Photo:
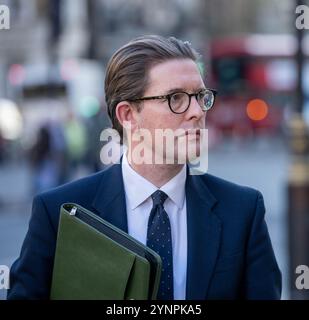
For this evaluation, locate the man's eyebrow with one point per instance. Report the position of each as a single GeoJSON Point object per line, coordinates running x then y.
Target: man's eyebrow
{"type": "Point", "coordinates": [174, 90]}
{"type": "Point", "coordinates": [183, 90]}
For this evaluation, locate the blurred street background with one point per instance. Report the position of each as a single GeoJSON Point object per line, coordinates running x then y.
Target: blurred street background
{"type": "Point", "coordinates": [52, 107]}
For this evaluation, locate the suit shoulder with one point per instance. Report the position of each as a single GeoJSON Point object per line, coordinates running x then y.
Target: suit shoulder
{"type": "Point", "coordinates": [220, 185]}
{"type": "Point", "coordinates": [79, 186]}
{"type": "Point", "coordinates": [236, 204]}
{"type": "Point", "coordinates": [80, 191]}
{"type": "Point", "coordinates": [232, 197]}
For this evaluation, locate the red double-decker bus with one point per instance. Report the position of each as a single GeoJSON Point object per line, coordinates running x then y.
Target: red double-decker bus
{"type": "Point", "coordinates": [256, 79]}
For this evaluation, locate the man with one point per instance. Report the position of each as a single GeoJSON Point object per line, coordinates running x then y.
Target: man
{"type": "Point", "coordinates": [210, 233]}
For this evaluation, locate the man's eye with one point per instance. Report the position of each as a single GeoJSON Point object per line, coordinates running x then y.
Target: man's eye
{"type": "Point", "coordinates": [177, 97]}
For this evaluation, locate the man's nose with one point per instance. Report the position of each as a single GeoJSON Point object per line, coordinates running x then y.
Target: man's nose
{"type": "Point", "coordinates": [195, 110]}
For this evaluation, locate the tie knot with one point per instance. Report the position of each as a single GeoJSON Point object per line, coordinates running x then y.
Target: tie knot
{"type": "Point", "coordinates": [158, 197]}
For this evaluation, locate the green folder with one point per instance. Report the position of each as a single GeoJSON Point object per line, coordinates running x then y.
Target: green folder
{"type": "Point", "coordinates": [96, 260]}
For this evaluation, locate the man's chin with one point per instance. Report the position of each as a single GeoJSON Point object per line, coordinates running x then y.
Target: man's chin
{"type": "Point", "coordinates": [191, 156]}
{"type": "Point", "coordinates": [185, 156]}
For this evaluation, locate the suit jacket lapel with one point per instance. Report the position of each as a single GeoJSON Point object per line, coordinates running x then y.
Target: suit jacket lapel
{"type": "Point", "coordinates": [204, 232]}
{"type": "Point", "coordinates": [109, 201]}
{"type": "Point", "coordinates": [204, 227]}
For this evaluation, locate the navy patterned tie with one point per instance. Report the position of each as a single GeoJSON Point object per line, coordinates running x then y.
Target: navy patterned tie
{"type": "Point", "coordinates": [159, 239]}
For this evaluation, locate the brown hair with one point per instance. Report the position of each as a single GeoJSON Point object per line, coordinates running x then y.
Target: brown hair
{"type": "Point", "coordinates": [127, 71]}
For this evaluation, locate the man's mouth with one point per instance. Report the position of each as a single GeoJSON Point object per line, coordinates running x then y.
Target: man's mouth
{"type": "Point", "coordinates": [189, 133]}
{"type": "Point", "coordinates": [195, 132]}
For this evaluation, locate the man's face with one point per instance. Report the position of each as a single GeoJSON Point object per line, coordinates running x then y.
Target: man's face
{"type": "Point", "coordinates": [173, 76]}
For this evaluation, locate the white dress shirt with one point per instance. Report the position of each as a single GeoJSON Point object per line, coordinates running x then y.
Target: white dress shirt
{"type": "Point", "coordinates": [138, 193]}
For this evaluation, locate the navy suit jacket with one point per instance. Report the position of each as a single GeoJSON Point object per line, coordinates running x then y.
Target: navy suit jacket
{"type": "Point", "coordinates": [230, 255]}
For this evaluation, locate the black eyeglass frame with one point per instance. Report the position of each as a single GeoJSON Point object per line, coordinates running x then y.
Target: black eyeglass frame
{"type": "Point", "coordinates": [168, 98]}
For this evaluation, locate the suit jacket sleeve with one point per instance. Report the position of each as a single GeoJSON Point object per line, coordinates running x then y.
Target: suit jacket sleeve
{"type": "Point", "coordinates": [263, 277]}
{"type": "Point", "coordinates": [30, 276]}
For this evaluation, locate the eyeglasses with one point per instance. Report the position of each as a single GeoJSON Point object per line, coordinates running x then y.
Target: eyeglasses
{"type": "Point", "coordinates": [179, 102]}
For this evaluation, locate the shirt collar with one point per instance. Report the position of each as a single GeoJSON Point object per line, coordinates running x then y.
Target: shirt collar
{"type": "Point", "coordinates": [175, 188]}
{"type": "Point", "coordinates": [138, 189]}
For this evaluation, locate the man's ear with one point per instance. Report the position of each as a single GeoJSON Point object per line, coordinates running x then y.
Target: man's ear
{"type": "Point", "coordinates": [126, 112]}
